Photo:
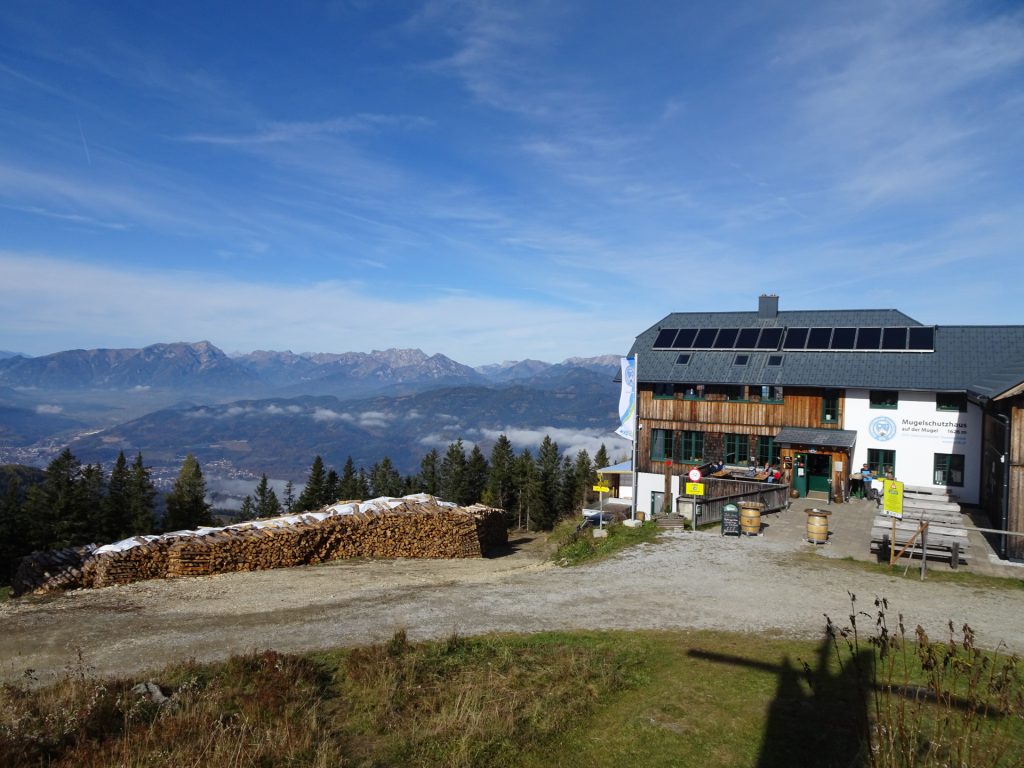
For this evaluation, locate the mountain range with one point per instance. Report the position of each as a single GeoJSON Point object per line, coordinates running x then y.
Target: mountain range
{"type": "Point", "coordinates": [272, 411]}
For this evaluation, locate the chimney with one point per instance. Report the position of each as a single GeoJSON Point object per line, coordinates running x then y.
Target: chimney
{"type": "Point", "coordinates": [767, 306]}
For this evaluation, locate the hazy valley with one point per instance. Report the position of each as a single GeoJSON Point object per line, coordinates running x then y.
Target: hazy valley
{"type": "Point", "coordinates": [267, 411]}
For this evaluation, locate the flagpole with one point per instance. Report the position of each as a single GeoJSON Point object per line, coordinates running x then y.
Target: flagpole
{"type": "Point", "coordinates": [636, 427]}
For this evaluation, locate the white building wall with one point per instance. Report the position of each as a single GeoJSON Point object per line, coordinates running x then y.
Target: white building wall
{"type": "Point", "coordinates": [648, 482]}
{"type": "Point", "coordinates": [916, 431]}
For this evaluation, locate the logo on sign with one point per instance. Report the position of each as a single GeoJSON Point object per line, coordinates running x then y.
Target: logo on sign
{"type": "Point", "coordinates": [882, 428]}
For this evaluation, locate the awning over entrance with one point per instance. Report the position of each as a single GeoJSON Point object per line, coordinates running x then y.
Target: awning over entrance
{"type": "Point", "coordinates": [617, 469]}
{"type": "Point", "coordinates": [826, 438]}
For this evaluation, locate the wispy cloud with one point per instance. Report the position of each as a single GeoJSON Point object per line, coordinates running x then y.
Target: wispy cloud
{"type": "Point", "coordinates": [282, 132]}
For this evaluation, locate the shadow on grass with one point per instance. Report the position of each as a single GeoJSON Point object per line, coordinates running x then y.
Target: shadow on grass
{"type": "Point", "coordinates": [818, 717]}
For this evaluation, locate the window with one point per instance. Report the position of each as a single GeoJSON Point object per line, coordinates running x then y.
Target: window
{"type": "Point", "coordinates": [949, 469]}
{"type": "Point", "coordinates": [723, 392]}
{"type": "Point", "coordinates": [737, 449]}
{"type": "Point", "coordinates": [880, 462]}
{"type": "Point", "coordinates": [830, 407]}
{"type": "Point", "coordinates": [683, 359]}
{"type": "Point", "coordinates": [741, 360]}
{"type": "Point", "coordinates": [950, 401]}
{"type": "Point", "coordinates": [692, 446]}
{"type": "Point", "coordinates": [774, 360]}
{"type": "Point", "coordinates": [767, 452]}
{"type": "Point", "coordinates": [691, 391]}
{"type": "Point", "coordinates": [661, 444]}
{"type": "Point", "coordinates": [771, 394]}
{"type": "Point", "coordinates": [664, 391]}
{"type": "Point", "coordinates": [884, 398]}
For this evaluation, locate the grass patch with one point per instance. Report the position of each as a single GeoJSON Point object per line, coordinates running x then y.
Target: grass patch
{"type": "Point", "coordinates": [937, 571]}
{"type": "Point", "coordinates": [575, 547]}
{"type": "Point", "coordinates": [5, 593]}
{"type": "Point", "coordinates": [604, 699]}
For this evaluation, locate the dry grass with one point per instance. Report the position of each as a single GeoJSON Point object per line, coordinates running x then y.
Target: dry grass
{"type": "Point", "coordinates": [457, 703]}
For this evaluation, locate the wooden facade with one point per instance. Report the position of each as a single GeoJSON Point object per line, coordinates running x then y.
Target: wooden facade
{"type": "Point", "coordinates": [754, 418]}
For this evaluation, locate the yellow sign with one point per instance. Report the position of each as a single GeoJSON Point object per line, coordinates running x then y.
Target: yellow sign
{"type": "Point", "coordinates": [892, 498]}
{"type": "Point", "coordinates": [695, 489]}
{"type": "Point", "coordinates": [602, 488]}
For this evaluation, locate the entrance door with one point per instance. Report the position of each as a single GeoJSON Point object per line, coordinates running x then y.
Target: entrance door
{"type": "Point", "coordinates": [800, 473]}
{"type": "Point", "coordinates": [819, 472]}
{"type": "Point", "coordinates": [657, 499]}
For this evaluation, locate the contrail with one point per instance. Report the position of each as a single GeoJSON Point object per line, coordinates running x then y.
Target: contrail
{"type": "Point", "coordinates": [84, 144]}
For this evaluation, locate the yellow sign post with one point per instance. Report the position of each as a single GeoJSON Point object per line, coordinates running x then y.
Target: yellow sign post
{"type": "Point", "coordinates": [892, 498]}
{"type": "Point", "coordinates": [695, 489]}
{"type": "Point", "coordinates": [602, 488]}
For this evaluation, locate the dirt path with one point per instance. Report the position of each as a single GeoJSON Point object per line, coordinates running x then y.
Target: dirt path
{"type": "Point", "coordinates": [702, 582]}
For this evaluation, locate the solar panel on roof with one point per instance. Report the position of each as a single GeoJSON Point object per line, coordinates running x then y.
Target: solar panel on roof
{"type": "Point", "coordinates": [843, 338]}
{"type": "Point", "coordinates": [726, 338]}
{"type": "Point", "coordinates": [796, 338]}
{"type": "Point", "coordinates": [921, 339]}
{"type": "Point", "coordinates": [819, 338]}
{"type": "Point", "coordinates": [868, 338]}
{"type": "Point", "coordinates": [770, 338]}
{"type": "Point", "coordinates": [705, 338]}
{"type": "Point", "coordinates": [685, 338]}
{"type": "Point", "coordinates": [747, 338]}
{"type": "Point", "coordinates": [665, 338]}
{"type": "Point", "coordinates": [894, 338]}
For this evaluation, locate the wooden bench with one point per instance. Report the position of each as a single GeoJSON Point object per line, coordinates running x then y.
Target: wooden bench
{"type": "Point", "coordinates": [943, 543]}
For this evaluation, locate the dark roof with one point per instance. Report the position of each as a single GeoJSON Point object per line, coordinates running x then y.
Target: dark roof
{"type": "Point", "coordinates": [834, 438]}
{"type": "Point", "coordinates": [981, 360]}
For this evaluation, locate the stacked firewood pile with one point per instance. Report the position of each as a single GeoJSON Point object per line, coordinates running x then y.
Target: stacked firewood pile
{"type": "Point", "coordinates": [414, 527]}
{"type": "Point", "coordinates": [61, 568]}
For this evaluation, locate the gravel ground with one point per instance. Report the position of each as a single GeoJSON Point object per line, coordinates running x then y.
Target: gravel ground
{"type": "Point", "coordinates": [773, 584]}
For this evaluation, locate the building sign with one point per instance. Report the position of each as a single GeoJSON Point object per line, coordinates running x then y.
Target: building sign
{"type": "Point", "coordinates": [940, 429]}
{"type": "Point", "coordinates": [882, 428]}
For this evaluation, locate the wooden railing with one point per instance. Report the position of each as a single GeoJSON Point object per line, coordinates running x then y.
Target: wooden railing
{"type": "Point", "coordinates": [719, 492]}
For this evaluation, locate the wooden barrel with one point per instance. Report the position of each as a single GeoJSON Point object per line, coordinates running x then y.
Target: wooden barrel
{"type": "Point", "coordinates": [750, 518]}
{"type": "Point", "coordinates": [817, 525]}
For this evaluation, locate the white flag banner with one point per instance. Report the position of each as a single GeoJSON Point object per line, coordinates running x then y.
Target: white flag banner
{"type": "Point", "coordinates": [627, 398]}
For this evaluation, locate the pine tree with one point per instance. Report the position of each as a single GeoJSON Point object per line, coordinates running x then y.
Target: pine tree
{"type": "Point", "coordinates": [546, 498]}
{"type": "Point", "coordinates": [601, 458]}
{"type": "Point", "coordinates": [500, 485]}
{"type": "Point", "coordinates": [385, 479]}
{"type": "Point", "coordinates": [186, 503]}
{"type": "Point", "coordinates": [266, 503]}
{"type": "Point", "coordinates": [430, 472]}
{"type": "Point", "coordinates": [93, 498]}
{"type": "Point", "coordinates": [248, 509]}
{"type": "Point", "coordinates": [524, 481]}
{"type": "Point", "coordinates": [314, 490]}
{"type": "Point", "coordinates": [141, 499]}
{"type": "Point", "coordinates": [14, 535]}
{"type": "Point", "coordinates": [566, 487]}
{"type": "Point", "coordinates": [331, 485]}
{"type": "Point", "coordinates": [362, 485]}
{"type": "Point", "coordinates": [118, 511]}
{"type": "Point", "coordinates": [475, 479]}
{"type": "Point", "coordinates": [584, 479]}
{"type": "Point", "coordinates": [289, 497]}
{"type": "Point", "coordinates": [453, 473]}
{"type": "Point", "coordinates": [348, 487]}
{"type": "Point", "coordinates": [57, 509]}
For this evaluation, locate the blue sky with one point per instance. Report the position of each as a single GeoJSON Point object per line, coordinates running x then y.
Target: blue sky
{"type": "Point", "coordinates": [499, 180]}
